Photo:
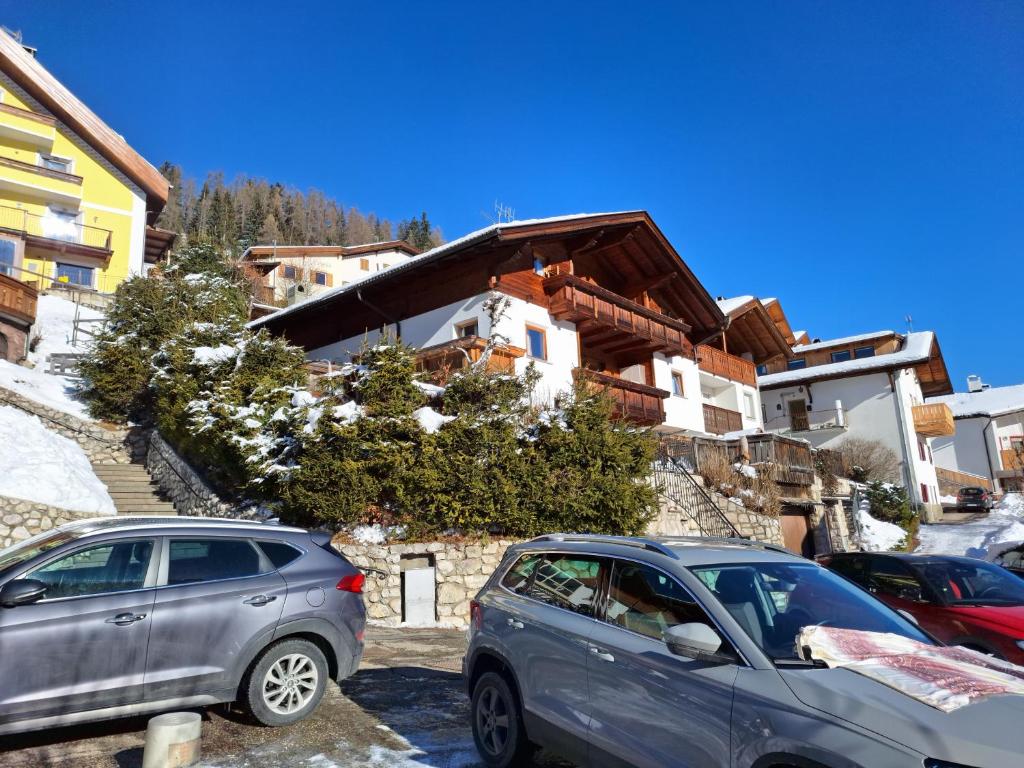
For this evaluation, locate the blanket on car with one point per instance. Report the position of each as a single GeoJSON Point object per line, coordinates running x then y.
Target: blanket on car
{"type": "Point", "coordinates": [946, 678]}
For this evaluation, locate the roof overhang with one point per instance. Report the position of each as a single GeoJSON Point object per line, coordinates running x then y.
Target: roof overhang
{"type": "Point", "coordinates": [158, 243]}
{"type": "Point", "coordinates": [753, 330]}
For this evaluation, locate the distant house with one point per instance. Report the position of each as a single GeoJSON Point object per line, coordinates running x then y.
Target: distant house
{"type": "Point", "coordinates": [989, 439]}
{"type": "Point", "coordinates": [873, 386]}
{"type": "Point", "coordinates": [604, 297]}
{"type": "Point", "coordinates": [290, 273]}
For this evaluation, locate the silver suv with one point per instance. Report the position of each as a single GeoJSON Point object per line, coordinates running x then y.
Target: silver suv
{"type": "Point", "coordinates": [101, 619]}
{"type": "Point", "coordinates": [681, 652]}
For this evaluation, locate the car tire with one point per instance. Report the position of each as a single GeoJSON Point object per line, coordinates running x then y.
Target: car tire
{"type": "Point", "coordinates": [498, 729]}
{"type": "Point", "coordinates": [286, 683]}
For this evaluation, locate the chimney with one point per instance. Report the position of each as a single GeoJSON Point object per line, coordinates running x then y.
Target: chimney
{"type": "Point", "coordinates": [974, 383]}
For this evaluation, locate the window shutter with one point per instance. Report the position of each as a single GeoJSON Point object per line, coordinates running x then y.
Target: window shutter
{"type": "Point", "coordinates": [330, 280]}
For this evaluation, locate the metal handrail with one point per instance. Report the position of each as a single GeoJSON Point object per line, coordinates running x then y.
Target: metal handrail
{"type": "Point", "coordinates": [676, 484]}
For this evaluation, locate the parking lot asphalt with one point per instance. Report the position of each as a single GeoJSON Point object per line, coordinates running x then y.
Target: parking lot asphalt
{"type": "Point", "coordinates": [404, 708]}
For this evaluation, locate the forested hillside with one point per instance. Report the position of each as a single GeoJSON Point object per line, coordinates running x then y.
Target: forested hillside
{"type": "Point", "coordinates": [247, 211]}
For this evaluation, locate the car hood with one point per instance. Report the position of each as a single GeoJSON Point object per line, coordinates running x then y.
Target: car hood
{"type": "Point", "coordinates": [984, 734]}
{"type": "Point", "coordinates": [1010, 617]}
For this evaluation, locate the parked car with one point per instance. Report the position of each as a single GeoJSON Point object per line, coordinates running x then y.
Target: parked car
{"type": "Point", "coordinates": [959, 600]}
{"type": "Point", "coordinates": [666, 652]}
{"type": "Point", "coordinates": [123, 616]}
{"type": "Point", "coordinates": [1008, 554]}
{"type": "Point", "coordinates": [974, 498]}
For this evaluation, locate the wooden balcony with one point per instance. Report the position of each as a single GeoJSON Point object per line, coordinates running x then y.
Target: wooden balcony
{"type": "Point", "coordinates": [718, 421]}
{"type": "Point", "coordinates": [461, 353]}
{"type": "Point", "coordinates": [56, 235]}
{"type": "Point", "coordinates": [719, 363]}
{"type": "Point", "coordinates": [640, 403]}
{"type": "Point", "coordinates": [17, 300]}
{"type": "Point", "coordinates": [611, 323]}
{"type": "Point", "coordinates": [933, 420]}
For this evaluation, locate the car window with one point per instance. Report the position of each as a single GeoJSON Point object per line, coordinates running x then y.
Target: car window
{"type": "Point", "coordinates": [891, 577]}
{"type": "Point", "coordinates": [645, 600]}
{"type": "Point", "coordinates": [567, 581]}
{"type": "Point", "coordinates": [279, 553]}
{"type": "Point", "coordinates": [1012, 559]}
{"type": "Point", "coordinates": [111, 567]}
{"type": "Point", "coordinates": [854, 568]}
{"type": "Point", "coordinates": [39, 544]}
{"type": "Point", "coordinates": [518, 577]}
{"type": "Point", "coordinates": [196, 560]}
{"type": "Point", "coordinates": [972, 582]}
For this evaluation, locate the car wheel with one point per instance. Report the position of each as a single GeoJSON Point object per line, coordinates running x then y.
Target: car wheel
{"type": "Point", "coordinates": [286, 683]}
{"type": "Point", "coordinates": [498, 724]}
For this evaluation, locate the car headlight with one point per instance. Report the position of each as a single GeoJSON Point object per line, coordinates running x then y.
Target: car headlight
{"type": "Point", "coordinates": [931, 763]}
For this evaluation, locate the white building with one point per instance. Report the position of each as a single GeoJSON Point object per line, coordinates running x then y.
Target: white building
{"type": "Point", "coordinates": [871, 386]}
{"type": "Point", "coordinates": [602, 296]}
{"type": "Point", "coordinates": [989, 439]}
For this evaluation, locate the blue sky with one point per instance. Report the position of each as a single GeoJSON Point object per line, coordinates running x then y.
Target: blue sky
{"type": "Point", "coordinates": [861, 160]}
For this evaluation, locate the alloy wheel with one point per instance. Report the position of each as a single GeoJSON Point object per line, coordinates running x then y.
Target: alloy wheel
{"type": "Point", "coordinates": [492, 721]}
{"type": "Point", "coordinates": [290, 683]}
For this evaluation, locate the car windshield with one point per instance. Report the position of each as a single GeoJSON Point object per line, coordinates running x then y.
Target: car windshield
{"type": "Point", "coordinates": [961, 582]}
{"type": "Point", "coordinates": [24, 551]}
{"type": "Point", "coordinates": [772, 602]}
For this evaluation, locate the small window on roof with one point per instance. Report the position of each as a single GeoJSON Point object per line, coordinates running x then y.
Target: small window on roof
{"type": "Point", "coordinates": [797, 363]}
{"type": "Point", "coordinates": [841, 356]}
{"type": "Point", "coordinates": [861, 352]}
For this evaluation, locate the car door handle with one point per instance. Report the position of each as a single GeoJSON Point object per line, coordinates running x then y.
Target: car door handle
{"type": "Point", "coordinates": [514, 623]}
{"type": "Point", "coordinates": [602, 655]}
{"type": "Point", "coordinates": [126, 619]}
{"type": "Point", "coordinates": [260, 600]}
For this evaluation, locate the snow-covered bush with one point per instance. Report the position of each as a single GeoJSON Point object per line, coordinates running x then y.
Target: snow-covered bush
{"type": "Point", "coordinates": [889, 503]}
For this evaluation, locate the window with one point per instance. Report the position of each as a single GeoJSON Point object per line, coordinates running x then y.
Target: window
{"type": "Point", "coordinates": [467, 329]}
{"type": "Point", "coordinates": [62, 164]}
{"type": "Point", "coordinates": [289, 272]}
{"type": "Point", "coordinates": [972, 582]}
{"type": "Point", "coordinates": [924, 493]}
{"type": "Point", "coordinates": [567, 581]}
{"type": "Point", "coordinates": [748, 405]}
{"type": "Point", "coordinates": [99, 569]}
{"type": "Point", "coordinates": [841, 356]}
{"type": "Point", "coordinates": [678, 388]}
{"type": "Point", "coordinates": [645, 600]}
{"type": "Point", "coordinates": [891, 577]}
{"type": "Point", "coordinates": [195, 560]}
{"type": "Point", "coordinates": [320, 278]}
{"type": "Point", "coordinates": [279, 553]}
{"type": "Point", "coordinates": [518, 577]}
{"type": "Point", "coordinates": [74, 274]}
{"type": "Point", "coordinates": [538, 265]}
{"type": "Point", "coordinates": [920, 451]}
{"type": "Point", "coordinates": [861, 352]}
{"type": "Point", "coordinates": [796, 363]}
{"type": "Point", "coordinates": [364, 265]}
{"type": "Point", "coordinates": [7, 258]}
{"type": "Point", "coordinates": [536, 343]}
{"type": "Point", "coordinates": [762, 370]}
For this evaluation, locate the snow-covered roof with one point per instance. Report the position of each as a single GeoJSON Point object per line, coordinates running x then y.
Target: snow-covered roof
{"type": "Point", "coordinates": [415, 261]}
{"type": "Point", "coordinates": [995, 401]}
{"type": "Point", "coordinates": [728, 305]}
{"type": "Point", "coordinates": [917, 348]}
{"type": "Point", "coordinates": [841, 341]}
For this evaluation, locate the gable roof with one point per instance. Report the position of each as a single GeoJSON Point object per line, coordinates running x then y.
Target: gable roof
{"type": "Point", "coordinates": [995, 401]}
{"type": "Point", "coordinates": [753, 330]}
{"type": "Point", "coordinates": [842, 342]}
{"type": "Point", "coordinates": [29, 74]}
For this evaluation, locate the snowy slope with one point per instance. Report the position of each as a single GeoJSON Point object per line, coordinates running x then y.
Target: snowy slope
{"type": "Point", "coordinates": [40, 465]}
{"type": "Point", "coordinates": [56, 392]}
{"type": "Point", "coordinates": [55, 319]}
{"type": "Point", "coordinates": [1004, 523]}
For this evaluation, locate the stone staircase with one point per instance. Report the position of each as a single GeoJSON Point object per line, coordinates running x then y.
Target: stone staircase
{"type": "Point", "coordinates": [133, 490]}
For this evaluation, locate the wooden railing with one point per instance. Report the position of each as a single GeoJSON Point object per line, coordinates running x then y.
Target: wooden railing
{"type": "Point", "coordinates": [792, 459]}
{"type": "Point", "coordinates": [577, 300]}
{"type": "Point", "coordinates": [460, 353]}
{"type": "Point", "coordinates": [933, 420]}
{"type": "Point", "coordinates": [951, 481]}
{"type": "Point", "coordinates": [718, 421]}
{"type": "Point", "coordinates": [639, 403]}
{"type": "Point", "coordinates": [17, 299]}
{"type": "Point", "coordinates": [32, 226]}
{"type": "Point", "coordinates": [719, 363]}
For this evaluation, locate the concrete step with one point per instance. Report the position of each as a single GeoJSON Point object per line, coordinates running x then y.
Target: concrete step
{"type": "Point", "coordinates": [150, 508]}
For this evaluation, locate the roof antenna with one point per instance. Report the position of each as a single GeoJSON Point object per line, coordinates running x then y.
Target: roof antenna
{"type": "Point", "coordinates": [910, 323]}
{"type": "Point", "coordinates": [503, 213]}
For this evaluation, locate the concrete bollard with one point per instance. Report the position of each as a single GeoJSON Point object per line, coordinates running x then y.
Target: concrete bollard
{"type": "Point", "coordinates": [172, 740]}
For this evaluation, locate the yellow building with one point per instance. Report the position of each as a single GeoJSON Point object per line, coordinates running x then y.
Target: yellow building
{"type": "Point", "coordinates": [76, 201]}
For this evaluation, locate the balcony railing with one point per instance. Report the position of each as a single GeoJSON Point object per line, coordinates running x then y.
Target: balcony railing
{"type": "Point", "coordinates": [50, 230]}
{"type": "Point", "coordinates": [617, 318]}
{"type": "Point", "coordinates": [639, 403]}
{"type": "Point", "coordinates": [718, 421]}
{"type": "Point", "coordinates": [933, 420]}
{"type": "Point", "coordinates": [460, 353]}
{"type": "Point", "coordinates": [17, 299]}
{"type": "Point", "coordinates": [719, 363]}
{"type": "Point", "coordinates": [52, 173]}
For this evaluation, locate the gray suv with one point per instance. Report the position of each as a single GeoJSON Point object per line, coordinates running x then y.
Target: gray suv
{"type": "Point", "coordinates": [122, 616]}
{"type": "Point", "coordinates": [681, 652]}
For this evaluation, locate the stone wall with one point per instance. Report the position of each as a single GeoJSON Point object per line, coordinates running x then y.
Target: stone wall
{"type": "Point", "coordinates": [20, 519]}
{"type": "Point", "coordinates": [460, 570]}
{"type": "Point", "coordinates": [102, 443]}
{"type": "Point", "coordinates": [752, 524]}
{"type": "Point", "coordinates": [184, 487]}
{"type": "Point", "coordinates": [13, 341]}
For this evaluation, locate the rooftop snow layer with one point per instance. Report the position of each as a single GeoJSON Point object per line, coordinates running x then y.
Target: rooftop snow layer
{"type": "Point", "coordinates": [989, 402]}
{"type": "Point", "coordinates": [433, 253]}
{"type": "Point", "coordinates": [916, 349]}
{"type": "Point", "coordinates": [729, 305]}
{"type": "Point", "coordinates": [840, 342]}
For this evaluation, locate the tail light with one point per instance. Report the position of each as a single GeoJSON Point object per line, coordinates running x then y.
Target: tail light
{"type": "Point", "coordinates": [352, 583]}
{"type": "Point", "coordinates": [476, 616]}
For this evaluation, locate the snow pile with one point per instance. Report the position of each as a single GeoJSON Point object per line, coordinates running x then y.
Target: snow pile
{"type": "Point", "coordinates": [878, 535]}
{"type": "Point", "coordinates": [213, 355]}
{"type": "Point", "coordinates": [947, 499]}
{"type": "Point", "coordinates": [369, 535]}
{"type": "Point", "coordinates": [57, 392]}
{"type": "Point", "coordinates": [746, 470]}
{"type": "Point", "coordinates": [55, 323]}
{"type": "Point", "coordinates": [431, 420]}
{"type": "Point", "coordinates": [1004, 523]}
{"type": "Point", "coordinates": [42, 466]}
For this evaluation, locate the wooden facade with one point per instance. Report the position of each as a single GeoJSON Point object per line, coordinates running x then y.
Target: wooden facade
{"type": "Point", "coordinates": [719, 421]}
{"type": "Point", "coordinates": [933, 420]}
{"type": "Point", "coordinates": [719, 363]}
{"type": "Point", "coordinates": [461, 353]}
{"type": "Point", "coordinates": [17, 300]}
{"type": "Point", "coordinates": [1011, 459]}
{"type": "Point", "coordinates": [639, 403]}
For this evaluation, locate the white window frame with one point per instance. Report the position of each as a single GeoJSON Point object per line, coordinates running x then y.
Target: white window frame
{"type": "Point", "coordinates": [749, 406]}
{"type": "Point", "coordinates": [70, 168]}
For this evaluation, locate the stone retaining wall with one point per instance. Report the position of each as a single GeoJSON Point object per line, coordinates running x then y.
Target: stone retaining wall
{"type": "Point", "coordinates": [183, 486]}
{"type": "Point", "coordinates": [20, 519]}
{"type": "Point", "coordinates": [102, 444]}
{"type": "Point", "coordinates": [460, 570]}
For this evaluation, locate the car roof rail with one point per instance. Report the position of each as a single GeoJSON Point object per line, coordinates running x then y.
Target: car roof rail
{"type": "Point", "coordinates": [735, 540]}
{"type": "Point", "coordinates": [627, 541]}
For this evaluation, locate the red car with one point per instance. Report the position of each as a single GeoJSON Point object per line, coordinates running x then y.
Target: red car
{"type": "Point", "coordinates": [959, 600]}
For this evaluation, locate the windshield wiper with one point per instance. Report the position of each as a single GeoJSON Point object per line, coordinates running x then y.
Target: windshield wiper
{"type": "Point", "coordinates": [800, 663]}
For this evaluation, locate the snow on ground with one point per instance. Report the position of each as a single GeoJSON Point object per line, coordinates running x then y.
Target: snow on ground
{"type": "Point", "coordinates": [56, 392]}
{"type": "Point", "coordinates": [55, 320]}
{"type": "Point", "coordinates": [1004, 523]}
{"type": "Point", "coordinates": [947, 500]}
{"type": "Point", "coordinates": [40, 465]}
{"type": "Point", "coordinates": [878, 535]}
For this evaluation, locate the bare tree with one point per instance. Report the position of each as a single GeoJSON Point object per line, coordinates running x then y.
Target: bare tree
{"type": "Point", "coordinates": [870, 459]}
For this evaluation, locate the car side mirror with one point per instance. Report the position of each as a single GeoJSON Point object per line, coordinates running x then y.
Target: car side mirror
{"type": "Point", "coordinates": [697, 641]}
{"type": "Point", "coordinates": [22, 592]}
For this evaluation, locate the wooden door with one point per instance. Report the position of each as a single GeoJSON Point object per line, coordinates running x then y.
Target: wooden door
{"type": "Point", "coordinates": [798, 419]}
{"type": "Point", "coordinates": [796, 533]}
